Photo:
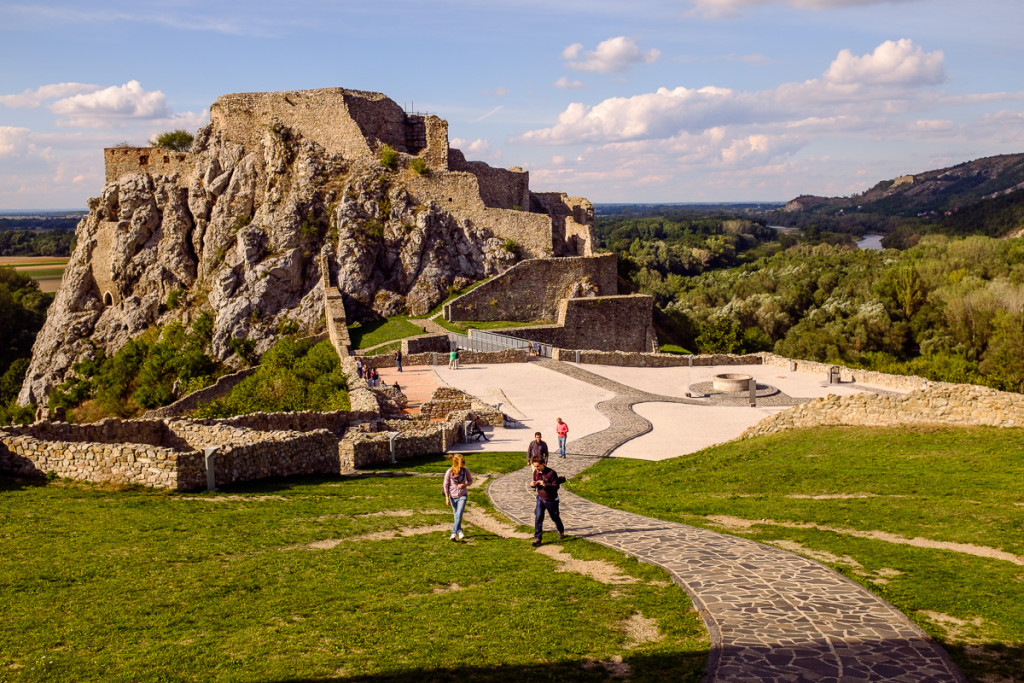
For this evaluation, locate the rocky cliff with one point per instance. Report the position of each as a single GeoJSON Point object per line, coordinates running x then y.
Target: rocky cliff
{"type": "Point", "coordinates": [236, 226]}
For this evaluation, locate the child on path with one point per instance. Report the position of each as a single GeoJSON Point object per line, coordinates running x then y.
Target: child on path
{"type": "Point", "coordinates": [456, 482]}
{"type": "Point", "coordinates": [545, 482]}
{"type": "Point", "coordinates": [561, 429]}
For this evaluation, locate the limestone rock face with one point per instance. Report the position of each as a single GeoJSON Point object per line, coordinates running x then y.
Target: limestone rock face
{"type": "Point", "coordinates": [238, 233]}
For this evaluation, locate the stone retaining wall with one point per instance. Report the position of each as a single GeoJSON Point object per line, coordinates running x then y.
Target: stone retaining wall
{"type": "Point", "coordinates": [466, 357]}
{"type": "Point", "coordinates": [604, 323]}
{"type": "Point", "coordinates": [427, 343]}
{"type": "Point", "coordinates": [187, 404]}
{"type": "Point", "coordinates": [955, 404]}
{"type": "Point", "coordinates": [531, 289]}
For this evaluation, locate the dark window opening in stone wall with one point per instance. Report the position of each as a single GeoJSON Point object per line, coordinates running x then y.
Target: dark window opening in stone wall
{"type": "Point", "coordinates": [143, 160]}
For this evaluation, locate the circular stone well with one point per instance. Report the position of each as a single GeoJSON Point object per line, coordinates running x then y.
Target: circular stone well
{"type": "Point", "coordinates": [732, 382]}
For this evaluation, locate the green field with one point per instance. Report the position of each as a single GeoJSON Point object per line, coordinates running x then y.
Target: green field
{"type": "Point", "coordinates": [316, 578]}
{"type": "Point", "coordinates": [854, 499]}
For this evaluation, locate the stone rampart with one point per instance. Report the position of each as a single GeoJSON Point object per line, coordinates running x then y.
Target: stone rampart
{"type": "Point", "coordinates": [427, 343]}
{"type": "Point", "coordinates": [605, 323]}
{"type": "Point", "coordinates": [334, 311]}
{"type": "Point", "coordinates": [153, 160]}
{"type": "Point", "coordinates": [954, 404]}
{"type": "Point", "coordinates": [499, 188]}
{"type": "Point", "coordinates": [531, 290]}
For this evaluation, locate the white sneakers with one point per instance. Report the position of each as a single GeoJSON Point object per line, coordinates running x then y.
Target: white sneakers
{"type": "Point", "coordinates": [452, 538]}
{"type": "Point", "coordinates": [461, 535]}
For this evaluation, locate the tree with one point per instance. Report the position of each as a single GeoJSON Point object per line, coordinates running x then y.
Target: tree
{"type": "Point", "coordinates": [177, 140]}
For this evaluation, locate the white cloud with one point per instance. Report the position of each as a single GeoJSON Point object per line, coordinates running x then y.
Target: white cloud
{"type": "Point", "coordinates": [565, 83]}
{"type": "Point", "coordinates": [109, 106]}
{"type": "Point", "coordinates": [893, 63]}
{"type": "Point", "coordinates": [476, 149]}
{"type": "Point", "coordinates": [13, 141]}
{"type": "Point", "coordinates": [614, 55]}
{"type": "Point", "coordinates": [31, 99]}
{"type": "Point", "coordinates": [720, 8]}
{"type": "Point", "coordinates": [853, 90]}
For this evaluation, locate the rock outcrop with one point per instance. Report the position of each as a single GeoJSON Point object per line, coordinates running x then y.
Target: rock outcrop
{"type": "Point", "coordinates": [236, 226]}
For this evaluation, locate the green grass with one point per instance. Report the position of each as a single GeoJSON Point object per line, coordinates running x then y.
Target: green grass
{"type": "Point", "coordinates": [673, 348]}
{"type": "Point", "coordinates": [365, 335]}
{"type": "Point", "coordinates": [452, 294]}
{"type": "Point", "coordinates": [98, 584]}
{"type": "Point", "coordinates": [43, 273]}
{"type": "Point", "coordinates": [960, 485]}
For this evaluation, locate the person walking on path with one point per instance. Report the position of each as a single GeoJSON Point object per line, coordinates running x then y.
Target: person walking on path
{"type": "Point", "coordinates": [398, 359]}
{"type": "Point", "coordinates": [453, 359]}
{"type": "Point", "coordinates": [545, 482]}
{"type": "Point", "coordinates": [561, 430]}
{"type": "Point", "coordinates": [359, 368]}
{"type": "Point", "coordinates": [456, 482]}
{"type": "Point", "coordinates": [537, 448]}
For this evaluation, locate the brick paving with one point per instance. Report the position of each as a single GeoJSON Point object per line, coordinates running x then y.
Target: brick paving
{"type": "Point", "coordinates": [771, 615]}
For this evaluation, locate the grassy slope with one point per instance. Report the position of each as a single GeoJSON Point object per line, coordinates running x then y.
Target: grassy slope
{"type": "Point", "coordinates": [956, 485]}
{"type": "Point", "coordinates": [143, 585]}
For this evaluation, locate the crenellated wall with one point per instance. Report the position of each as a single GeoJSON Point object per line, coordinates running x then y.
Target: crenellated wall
{"type": "Point", "coordinates": [532, 289]}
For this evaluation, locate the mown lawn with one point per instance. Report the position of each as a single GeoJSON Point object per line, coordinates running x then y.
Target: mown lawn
{"type": "Point", "coordinates": [956, 485]}
{"type": "Point", "coordinates": [281, 580]}
{"type": "Point", "coordinates": [365, 335]}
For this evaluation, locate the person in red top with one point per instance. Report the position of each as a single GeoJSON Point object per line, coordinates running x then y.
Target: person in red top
{"type": "Point", "coordinates": [561, 430]}
{"type": "Point", "coordinates": [545, 482]}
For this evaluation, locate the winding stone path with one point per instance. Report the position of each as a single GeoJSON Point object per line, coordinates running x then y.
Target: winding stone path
{"type": "Point", "coordinates": [772, 615]}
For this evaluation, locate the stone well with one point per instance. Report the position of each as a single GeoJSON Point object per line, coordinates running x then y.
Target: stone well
{"type": "Point", "coordinates": [732, 382]}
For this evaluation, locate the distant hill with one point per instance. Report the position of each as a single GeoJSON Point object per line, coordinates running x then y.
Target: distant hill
{"type": "Point", "coordinates": [984, 196]}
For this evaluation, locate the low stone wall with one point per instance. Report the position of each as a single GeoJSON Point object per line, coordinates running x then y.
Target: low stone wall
{"type": "Point", "coordinates": [335, 421]}
{"type": "Point", "coordinates": [651, 360]}
{"type": "Point", "coordinates": [164, 454]}
{"type": "Point", "coordinates": [128, 463]}
{"type": "Point", "coordinates": [895, 382]}
{"type": "Point", "coordinates": [531, 289]}
{"type": "Point", "coordinates": [465, 358]}
{"type": "Point", "coordinates": [954, 404]}
{"type": "Point", "coordinates": [449, 403]}
{"type": "Point", "coordinates": [372, 444]}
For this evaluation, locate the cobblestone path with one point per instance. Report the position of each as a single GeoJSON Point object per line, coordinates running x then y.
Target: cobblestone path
{"type": "Point", "coordinates": [772, 615]}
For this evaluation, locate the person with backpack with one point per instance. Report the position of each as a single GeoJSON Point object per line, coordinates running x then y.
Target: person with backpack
{"type": "Point", "coordinates": [456, 484]}
{"type": "Point", "coordinates": [545, 482]}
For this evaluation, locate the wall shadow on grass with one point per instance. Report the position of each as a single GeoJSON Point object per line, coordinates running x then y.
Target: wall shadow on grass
{"type": "Point", "coordinates": [640, 667]}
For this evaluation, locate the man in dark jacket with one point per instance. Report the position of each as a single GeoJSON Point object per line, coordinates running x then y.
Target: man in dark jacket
{"type": "Point", "coordinates": [537, 447]}
{"type": "Point", "coordinates": [545, 482]}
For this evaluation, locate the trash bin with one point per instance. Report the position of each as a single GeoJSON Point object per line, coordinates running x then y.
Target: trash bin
{"type": "Point", "coordinates": [833, 374]}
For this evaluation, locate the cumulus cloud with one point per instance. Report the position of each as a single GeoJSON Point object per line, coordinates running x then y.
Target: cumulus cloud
{"type": "Point", "coordinates": [476, 149]}
{"type": "Point", "coordinates": [109, 106]}
{"type": "Point", "coordinates": [853, 89]}
{"type": "Point", "coordinates": [31, 99]}
{"type": "Point", "coordinates": [898, 63]}
{"type": "Point", "coordinates": [614, 55]}
{"type": "Point", "coordinates": [565, 83]}
{"type": "Point", "coordinates": [13, 141]}
{"type": "Point", "coordinates": [719, 8]}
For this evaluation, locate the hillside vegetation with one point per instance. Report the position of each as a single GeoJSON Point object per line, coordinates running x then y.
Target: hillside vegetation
{"type": "Point", "coordinates": [946, 309]}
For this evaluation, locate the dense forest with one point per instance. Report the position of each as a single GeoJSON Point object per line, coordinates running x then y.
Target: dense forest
{"type": "Point", "coordinates": [22, 312]}
{"type": "Point", "coordinates": [37, 242]}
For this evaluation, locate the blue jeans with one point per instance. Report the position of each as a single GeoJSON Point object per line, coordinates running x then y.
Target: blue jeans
{"type": "Point", "coordinates": [561, 445]}
{"type": "Point", "coordinates": [458, 508]}
{"type": "Point", "coordinates": [551, 506]}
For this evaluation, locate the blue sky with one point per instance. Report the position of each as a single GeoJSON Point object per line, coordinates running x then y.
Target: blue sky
{"type": "Point", "coordinates": [645, 100]}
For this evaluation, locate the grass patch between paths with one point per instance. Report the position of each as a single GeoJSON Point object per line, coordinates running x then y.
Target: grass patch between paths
{"type": "Point", "coordinates": [365, 335]}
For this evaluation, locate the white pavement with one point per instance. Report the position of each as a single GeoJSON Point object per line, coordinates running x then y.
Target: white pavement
{"type": "Point", "coordinates": [536, 396]}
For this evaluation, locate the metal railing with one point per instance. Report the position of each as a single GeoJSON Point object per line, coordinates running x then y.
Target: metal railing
{"type": "Point", "coordinates": [493, 341]}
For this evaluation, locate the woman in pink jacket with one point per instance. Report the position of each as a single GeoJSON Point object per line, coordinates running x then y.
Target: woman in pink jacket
{"type": "Point", "coordinates": [456, 482]}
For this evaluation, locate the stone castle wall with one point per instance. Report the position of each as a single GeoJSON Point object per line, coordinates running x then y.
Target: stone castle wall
{"type": "Point", "coordinates": [604, 323]}
{"type": "Point", "coordinates": [153, 160]}
{"type": "Point", "coordinates": [572, 222]}
{"type": "Point", "coordinates": [956, 404]}
{"type": "Point", "coordinates": [499, 188]}
{"type": "Point", "coordinates": [530, 290]}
